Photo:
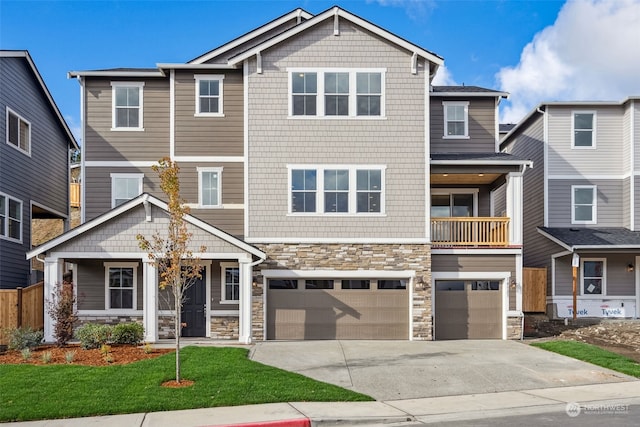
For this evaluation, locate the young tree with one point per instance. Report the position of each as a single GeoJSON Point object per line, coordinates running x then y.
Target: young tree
{"type": "Point", "coordinates": [170, 250]}
{"type": "Point", "coordinates": [61, 307]}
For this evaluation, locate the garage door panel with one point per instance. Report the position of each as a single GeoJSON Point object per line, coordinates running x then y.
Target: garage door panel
{"type": "Point", "coordinates": [468, 314]}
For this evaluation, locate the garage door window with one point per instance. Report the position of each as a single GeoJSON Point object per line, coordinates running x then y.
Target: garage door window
{"type": "Point", "coordinates": [356, 284]}
{"type": "Point", "coordinates": [283, 284]}
{"type": "Point", "coordinates": [318, 284]}
{"type": "Point", "coordinates": [484, 285]}
{"type": "Point", "coordinates": [392, 284]}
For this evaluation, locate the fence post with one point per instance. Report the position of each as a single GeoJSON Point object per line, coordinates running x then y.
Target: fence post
{"type": "Point", "coordinates": [19, 307]}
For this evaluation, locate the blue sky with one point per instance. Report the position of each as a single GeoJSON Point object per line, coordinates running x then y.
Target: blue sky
{"type": "Point", "coordinates": [538, 50]}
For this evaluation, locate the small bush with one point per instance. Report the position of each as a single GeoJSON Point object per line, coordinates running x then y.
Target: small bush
{"type": "Point", "coordinates": [147, 348]}
{"type": "Point", "coordinates": [128, 333]}
{"type": "Point", "coordinates": [26, 354]}
{"type": "Point", "coordinates": [92, 335]}
{"type": "Point", "coordinates": [60, 308]}
{"type": "Point", "coordinates": [46, 357]}
{"type": "Point", "coordinates": [69, 356]}
{"type": "Point", "coordinates": [25, 337]}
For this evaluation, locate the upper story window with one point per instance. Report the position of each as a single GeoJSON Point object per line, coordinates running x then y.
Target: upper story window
{"type": "Point", "coordinates": [337, 189]}
{"type": "Point", "coordinates": [127, 105]}
{"type": "Point", "coordinates": [124, 187]}
{"type": "Point", "coordinates": [584, 126]}
{"type": "Point", "coordinates": [210, 187]}
{"type": "Point", "coordinates": [209, 95]}
{"type": "Point", "coordinates": [18, 132]}
{"type": "Point", "coordinates": [456, 119]}
{"type": "Point", "coordinates": [121, 284]}
{"type": "Point", "coordinates": [593, 276]}
{"type": "Point", "coordinates": [10, 218]}
{"type": "Point", "coordinates": [583, 204]}
{"type": "Point", "coordinates": [230, 279]}
{"type": "Point", "coordinates": [336, 92]}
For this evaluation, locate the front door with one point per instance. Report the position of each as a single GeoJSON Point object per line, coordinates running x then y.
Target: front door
{"type": "Point", "coordinates": [194, 310]}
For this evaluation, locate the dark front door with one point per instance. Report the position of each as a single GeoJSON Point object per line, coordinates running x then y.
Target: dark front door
{"type": "Point", "coordinates": [194, 310]}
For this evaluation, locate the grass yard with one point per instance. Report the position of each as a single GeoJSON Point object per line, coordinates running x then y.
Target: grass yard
{"type": "Point", "coordinates": [592, 354]}
{"type": "Point", "coordinates": [223, 377]}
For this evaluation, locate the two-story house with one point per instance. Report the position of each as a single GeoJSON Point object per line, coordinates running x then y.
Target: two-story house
{"type": "Point", "coordinates": [34, 163]}
{"type": "Point", "coordinates": [581, 203]}
{"type": "Point", "coordinates": [339, 194]}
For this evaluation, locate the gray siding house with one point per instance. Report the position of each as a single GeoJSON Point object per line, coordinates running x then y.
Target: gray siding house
{"type": "Point", "coordinates": [581, 203]}
{"type": "Point", "coordinates": [34, 163]}
{"type": "Point", "coordinates": [344, 196]}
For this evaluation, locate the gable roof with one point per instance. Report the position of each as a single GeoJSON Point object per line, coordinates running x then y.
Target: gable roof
{"type": "Point", "coordinates": [329, 13]}
{"type": "Point", "coordinates": [128, 206]}
{"type": "Point", "coordinates": [466, 91]}
{"type": "Point", "coordinates": [593, 238]}
{"type": "Point", "coordinates": [54, 107]}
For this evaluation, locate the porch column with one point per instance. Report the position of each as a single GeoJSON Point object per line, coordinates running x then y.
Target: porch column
{"type": "Point", "coordinates": [150, 305]}
{"type": "Point", "coordinates": [245, 302]}
{"type": "Point", "coordinates": [53, 275]}
{"type": "Point", "coordinates": [514, 207]}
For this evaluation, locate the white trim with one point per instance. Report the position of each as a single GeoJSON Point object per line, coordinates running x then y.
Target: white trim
{"type": "Point", "coordinates": [222, 313]}
{"type": "Point", "coordinates": [593, 130]}
{"type": "Point", "coordinates": [119, 163]}
{"type": "Point", "coordinates": [477, 251]}
{"type": "Point", "coordinates": [115, 73]}
{"type": "Point", "coordinates": [26, 152]}
{"type": "Point", "coordinates": [107, 294]}
{"type": "Point", "coordinates": [4, 234]}
{"type": "Point", "coordinates": [589, 177]}
{"type": "Point", "coordinates": [555, 240]}
{"type": "Point", "coordinates": [594, 204]}
{"type": "Point", "coordinates": [245, 144]}
{"type": "Point", "coordinates": [353, 240]}
{"type": "Point", "coordinates": [83, 165]}
{"type": "Point", "coordinates": [200, 171]}
{"type": "Point", "coordinates": [483, 162]}
{"type": "Point", "coordinates": [114, 86]}
{"type": "Point", "coordinates": [603, 292]}
{"type": "Point", "coordinates": [545, 154]}
{"type": "Point", "coordinates": [632, 182]}
{"type": "Point", "coordinates": [410, 286]}
{"type": "Point", "coordinates": [519, 282]}
{"type": "Point", "coordinates": [464, 104]}
{"type": "Point", "coordinates": [40, 205]}
{"type": "Point", "coordinates": [223, 268]}
{"type": "Point", "coordinates": [111, 312]}
{"type": "Point", "coordinates": [637, 276]}
{"type": "Point", "coordinates": [332, 274]}
{"type": "Point", "coordinates": [222, 206]}
{"type": "Point", "coordinates": [200, 159]}
{"type": "Point", "coordinates": [116, 176]}
{"type": "Point", "coordinates": [427, 157]}
{"type": "Point", "coordinates": [492, 93]}
{"type": "Point", "coordinates": [172, 115]}
{"type": "Point", "coordinates": [214, 77]}
{"type": "Point", "coordinates": [206, 264]}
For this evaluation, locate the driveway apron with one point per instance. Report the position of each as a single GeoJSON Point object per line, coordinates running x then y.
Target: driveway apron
{"type": "Point", "coordinates": [392, 370]}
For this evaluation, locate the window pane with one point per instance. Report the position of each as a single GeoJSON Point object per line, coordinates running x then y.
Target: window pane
{"type": "Point", "coordinates": [298, 105]}
{"type": "Point", "coordinates": [593, 268]}
{"type": "Point", "coordinates": [455, 128]}
{"type": "Point", "coordinates": [592, 286]}
{"type": "Point", "coordinates": [336, 202]}
{"type": "Point", "coordinates": [133, 96]}
{"type": "Point", "coordinates": [583, 196]}
{"type": "Point", "coordinates": [463, 205]}
{"type": "Point", "coordinates": [121, 96]}
{"type": "Point", "coordinates": [13, 129]}
{"type": "Point", "coordinates": [392, 284]}
{"type": "Point", "coordinates": [15, 211]}
{"type": "Point", "coordinates": [210, 188]}
{"type": "Point", "coordinates": [583, 213]}
{"type": "Point", "coordinates": [583, 121]}
{"type": "Point", "coordinates": [375, 83]}
{"type": "Point", "coordinates": [583, 138]}
{"type": "Point", "coordinates": [310, 105]}
{"type": "Point", "coordinates": [283, 284]}
{"type": "Point", "coordinates": [318, 284]}
{"type": "Point", "coordinates": [297, 82]}
{"type": "Point", "coordinates": [362, 82]}
{"type": "Point", "coordinates": [356, 284]}
{"type": "Point", "coordinates": [310, 83]}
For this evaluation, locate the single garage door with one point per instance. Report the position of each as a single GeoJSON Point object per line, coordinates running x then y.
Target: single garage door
{"type": "Point", "coordinates": [468, 310]}
{"type": "Point", "coordinates": [328, 309]}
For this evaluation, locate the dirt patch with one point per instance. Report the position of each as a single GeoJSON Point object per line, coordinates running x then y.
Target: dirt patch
{"type": "Point", "coordinates": [118, 355]}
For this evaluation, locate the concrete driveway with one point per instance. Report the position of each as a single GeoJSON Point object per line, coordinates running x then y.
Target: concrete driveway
{"type": "Point", "coordinates": [392, 370]}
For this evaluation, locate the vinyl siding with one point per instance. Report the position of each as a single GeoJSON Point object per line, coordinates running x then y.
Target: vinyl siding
{"type": "Point", "coordinates": [482, 127]}
{"type": "Point", "coordinates": [21, 175]}
{"type": "Point", "coordinates": [626, 202]}
{"type": "Point", "coordinates": [609, 205]}
{"type": "Point", "coordinates": [91, 286]}
{"type": "Point", "coordinates": [637, 202]}
{"type": "Point", "coordinates": [209, 136]}
{"type": "Point", "coordinates": [216, 289]}
{"type": "Point", "coordinates": [619, 282]}
{"type": "Point", "coordinates": [101, 143]}
{"type": "Point", "coordinates": [397, 141]}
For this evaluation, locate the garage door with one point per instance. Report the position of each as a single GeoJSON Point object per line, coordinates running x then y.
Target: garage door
{"type": "Point", "coordinates": [468, 310]}
{"type": "Point", "coordinates": [327, 309]}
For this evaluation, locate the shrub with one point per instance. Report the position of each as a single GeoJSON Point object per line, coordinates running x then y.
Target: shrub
{"type": "Point", "coordinates": [69, 356]}
{"type": "Point", "coordinates": [24, 337]}
{"type": "Point", "coordinates": [46, 357]}
{"type": "Point", "coordinates": [92, 335]}
{"type": "Point", "coordinates": [26, 354]}
{"type": "Point", "coordinates": [128, 333]}
{"type": "Point", "coordinates": [61, 310]}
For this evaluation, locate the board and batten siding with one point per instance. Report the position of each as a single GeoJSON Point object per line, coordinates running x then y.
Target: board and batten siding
{"type": "Point", "coordinates": [482, 127]}
{"type": "Point", "coordinates": [41, 177]}
{"type": "Point", "coordinates": [619, 282]}
{"type": "Point", "coordinates": [209, 136]}
{"type": "Point", "coordinates": [396, 140]}
{"type": "Point", "coordinates": [104, 144]}
{"type": "Point", "coordinates": [609, 210]}
{"type": "Point", "coordinates": [605, 159]}
{"type": "Point", "coordinates": [91, 286]}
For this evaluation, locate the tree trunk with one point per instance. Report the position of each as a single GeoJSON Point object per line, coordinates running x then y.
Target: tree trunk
{"type": "Point", "coordinates": [178, 332]}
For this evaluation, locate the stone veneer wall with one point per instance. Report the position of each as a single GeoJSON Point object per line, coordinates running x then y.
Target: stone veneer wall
{"type": "Point", "coordinates": [225, 328]}
{"type": "Point", "coordinates": [107, 320]}
{"type": "Point", "coordinates": [349, 257]}
{"type": "Point", "coordinates": [514, 328]}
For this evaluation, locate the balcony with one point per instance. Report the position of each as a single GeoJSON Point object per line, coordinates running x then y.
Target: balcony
{"type": "Point", "coordinates": [470, 232]}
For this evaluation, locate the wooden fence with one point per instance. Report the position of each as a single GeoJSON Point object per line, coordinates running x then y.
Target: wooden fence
{"type": "Point", "coordinates": [74, 194]}
{"type": "Point", "coordinates": [534, 290]}
{"type": "Point", "coordinates": [21, 307]}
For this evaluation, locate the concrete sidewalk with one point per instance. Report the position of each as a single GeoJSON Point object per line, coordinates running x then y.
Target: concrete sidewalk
{"type": "Point", "coordinates": [398, 412]}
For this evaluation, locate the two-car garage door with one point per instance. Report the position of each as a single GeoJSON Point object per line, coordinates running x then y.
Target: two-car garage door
{"type": "Point", "coordinates": [318, 309]}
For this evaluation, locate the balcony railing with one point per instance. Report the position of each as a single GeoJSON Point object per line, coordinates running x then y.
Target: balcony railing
{"type": "Point", "coordinates": [470, 231]}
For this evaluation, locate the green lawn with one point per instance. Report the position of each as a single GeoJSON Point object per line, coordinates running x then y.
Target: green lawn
{"type": "Point", "coordinates": [223, 377]}
{"type": "Point", "coordinates": [592, 354]}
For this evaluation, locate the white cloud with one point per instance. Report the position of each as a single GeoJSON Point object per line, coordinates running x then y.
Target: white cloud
{"type": "Point", "coordinates": [591, 52]}
{"type": "Point", "coordinates": [443, 77]}
{"type": "Point", "coordinates": [415, 9]}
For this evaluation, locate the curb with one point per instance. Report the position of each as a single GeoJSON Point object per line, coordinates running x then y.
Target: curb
{"type": "Point", "coordinates": [297, 422]}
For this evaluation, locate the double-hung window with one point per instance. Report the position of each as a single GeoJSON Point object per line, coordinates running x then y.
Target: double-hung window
{"type": "Point", "coordinates": [584, 126]}
{"type": "Point", "coordinates": [124, 187]}
{"type": "Point", "coordinates": [336, 189]}
{"type": "Point", "coordinates": [10, 218]}
{"type": "Point", "coordinates": [456, 119]}
{"type": "Point", "coordinates": [127, 105]}
{"type": "Point", "coordinates": [209, 95]}
{"type": "Point", "coordinates": [304, 88]}
{"type": "Point", "coordinates": [593, 276]}
{"type": "Point", "coordinates": [336, 94]}
{"type": "Point", "coordinates": [210, 187]}
{"type": "Point", "coordinates": [230, 279]}
{"type": "Point", "coordinates": [583, 204]}
{"type": "Point", "coordinates": [18, 132]}
{"type": "Point", "coordinates": [121, 284]}
{"type": "Point", "coordinates": [369, 94]}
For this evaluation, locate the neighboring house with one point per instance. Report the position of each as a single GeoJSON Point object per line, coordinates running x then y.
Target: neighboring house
{"type": "Point", "coordinates": [582, 203]}
{"type": "Point", "coordinates": [34, 163]}
{"type": "Point", "coordinates": [339, 194]}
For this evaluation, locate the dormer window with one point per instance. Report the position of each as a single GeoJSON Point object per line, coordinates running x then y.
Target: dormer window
{"type": "Point", "coordinates": [456, 119]}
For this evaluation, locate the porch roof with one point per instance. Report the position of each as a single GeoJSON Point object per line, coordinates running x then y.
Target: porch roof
{"type": "Point", "coordinates": [478, 159]}
{"type": "Point", "coordinates": [592, 238]}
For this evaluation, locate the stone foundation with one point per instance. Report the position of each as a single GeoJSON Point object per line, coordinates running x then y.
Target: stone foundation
{"type": "Point", "coordinates": [107, 320]}
{"type": "Point", "coordinates": [514, 328]}
{"type": "Point", "coordinates": [225, 328]}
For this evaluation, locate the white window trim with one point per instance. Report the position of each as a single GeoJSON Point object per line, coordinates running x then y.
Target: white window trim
{"type": "Point", "coordinates": [114, 176]}
{"type": "Point", "coordinates": [4, 234]}
{"type": "Point", "coordinates": [209, 169]}
{"type": "Point", "coordinates": [140, 127]}
{"type": "Point", "coordinates": [220, 79]}
{"type": "Point", "coordinates": [107, 295]}
{"type": "Point", "coordinates": [20, 118]}
{"type": "Point", "coordinates": [450, 191]}
{"type": "Point", "coordinates": [353, 193]}
{"type": "Point", "coordinates": [594, 207]}
{"type": "Point", "coordinates": [604, 278]}
{"type": "Point", "coordinates": [320, 93]}
{"type": "Point", "coordinates": [464, 104]}
{"type": "Point", "coordinates": [593, 129]}
{"type": "Point", "coordinates": [223, 267]}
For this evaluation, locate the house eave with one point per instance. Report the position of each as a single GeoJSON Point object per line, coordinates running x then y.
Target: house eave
{"type": "Point", "coordinates": [108, 73]}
